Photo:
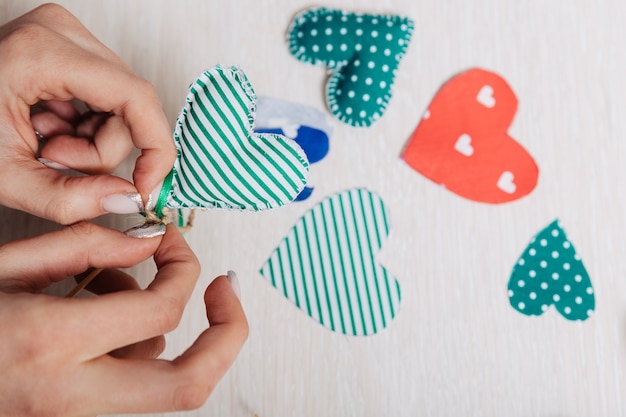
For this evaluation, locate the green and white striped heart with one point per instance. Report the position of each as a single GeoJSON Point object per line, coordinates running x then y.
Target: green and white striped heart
{"type": "Point", "coordinates": [327, 264]}
{"type": "Point", "coordinates": [221, 162]}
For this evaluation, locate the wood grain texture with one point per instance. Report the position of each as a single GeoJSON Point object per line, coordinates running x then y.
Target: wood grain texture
{"type": "Point", "coordinates": [457, 347]}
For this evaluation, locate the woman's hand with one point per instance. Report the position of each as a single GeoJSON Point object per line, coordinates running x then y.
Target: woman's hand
{"type": "Point", "coordinates": [76, 357]}
{"type": "Point", "coordinates": [48, 56]}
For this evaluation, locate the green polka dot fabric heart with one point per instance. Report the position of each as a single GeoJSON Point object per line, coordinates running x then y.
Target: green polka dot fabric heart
{"type": "Point", "coordinates": [221, 162]}
{"type": "Point", "coordinates": [550, 272]}
{"type": "Point", "coordinates": [363, 52]}
{"type": "Point", "coordinates": [326, 265]}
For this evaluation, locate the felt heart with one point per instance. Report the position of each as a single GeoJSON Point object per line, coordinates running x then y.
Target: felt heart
{"type": "Point", "coordinates": [478, 106]}
{"type": "Point", "coordinates": [326, 265]}
{"type": "Point", "coordinates": [550, 272]}
{"type": "Point", "coordinates": [221, 163]}
{"type": "Point", "coordinates": [362, 51]}
{"type": "Point", "coordinates": [309, 127]}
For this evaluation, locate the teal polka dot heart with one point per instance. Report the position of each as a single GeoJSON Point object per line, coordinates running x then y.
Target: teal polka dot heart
{"type": "Point", "coordinates": [363, 52]}
{"type": "Point", "coordinates": [550, 272]}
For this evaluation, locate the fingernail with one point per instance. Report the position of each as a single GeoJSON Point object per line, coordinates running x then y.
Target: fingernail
{"type": "Point", "coordinates": [53, 165]}
{"type": "Point", "coordinates": [40, 137]}
{"type": "Point", "coordinates": [234, 282]}
{"type": "Point", "coordinates": [147, 230]}
{"type": "Point", "coordinates": [122, 203]}
{"type": "Point", "coordinates": [154, 197]}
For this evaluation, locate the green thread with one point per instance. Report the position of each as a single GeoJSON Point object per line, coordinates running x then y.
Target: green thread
{"type": "Point", "coordinates": [164, 194]}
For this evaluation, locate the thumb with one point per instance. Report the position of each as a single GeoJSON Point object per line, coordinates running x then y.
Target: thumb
{"type": "Point", "coordinates": [36, 262]}
{"type": "Point", "coordinates": [32, 187]}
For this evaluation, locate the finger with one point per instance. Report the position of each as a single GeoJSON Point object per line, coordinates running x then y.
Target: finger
{"type": "Point", "coordinates": [48, 124]}
{"type": "Point", "coordinates": [110, 146]}
{"type": "Point", "coordinates": [64, 109]}
{"type": "Point", "coordinates": [33, 264]}
{"type": "Point", "coordinates": [108, 281]}
{"type": "Point", "coordinates": [44, 192]}
{"type": "Point", "coordinates": [218, 346]}
{"type": "Point", "coordinates": [58, 19]}
{"type": "Point", "coordinates": [114, 280]}
{"type": "Point", "coordinates": [186, 382]}
{"type": "Point", "coordinates": [88, 127]}
{"type": "Point", "coordinates": [133, 316]}
{"type": "Point", "coordinates": [100, 81]}
{"type": "Point", "coordinates": [146, 349]}
{"type": "Point", "coordinates": [136, 101]}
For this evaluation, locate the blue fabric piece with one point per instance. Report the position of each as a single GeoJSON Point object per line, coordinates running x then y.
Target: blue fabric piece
{"type": "Point", "coordinates": [313, 141]}
{"type": "Point", "coordinates": [304, 194]}
{"type": "Point", "coordinates": [309, 127]}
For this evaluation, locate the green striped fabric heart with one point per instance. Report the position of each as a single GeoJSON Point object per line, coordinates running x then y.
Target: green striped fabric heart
{"type": "Point", "coordinates": [221, 163]}
{"type": "Point", "coordinates": [327, 264]}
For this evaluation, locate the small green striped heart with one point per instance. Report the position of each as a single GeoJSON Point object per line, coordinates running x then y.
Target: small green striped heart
{"type": "Point", "coordinates": [327, 266]}
{"type": "Point", "coordinates": [221, 163]}
{"type": "Point", "coordinates": [551, 272]}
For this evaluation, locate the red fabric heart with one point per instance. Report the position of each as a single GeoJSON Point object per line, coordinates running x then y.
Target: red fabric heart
{"type": "Point", "coordinates": [462, 141]}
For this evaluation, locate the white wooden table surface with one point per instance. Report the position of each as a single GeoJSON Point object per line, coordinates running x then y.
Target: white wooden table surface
{"type": "Point", "coordinates": [457, 347]}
